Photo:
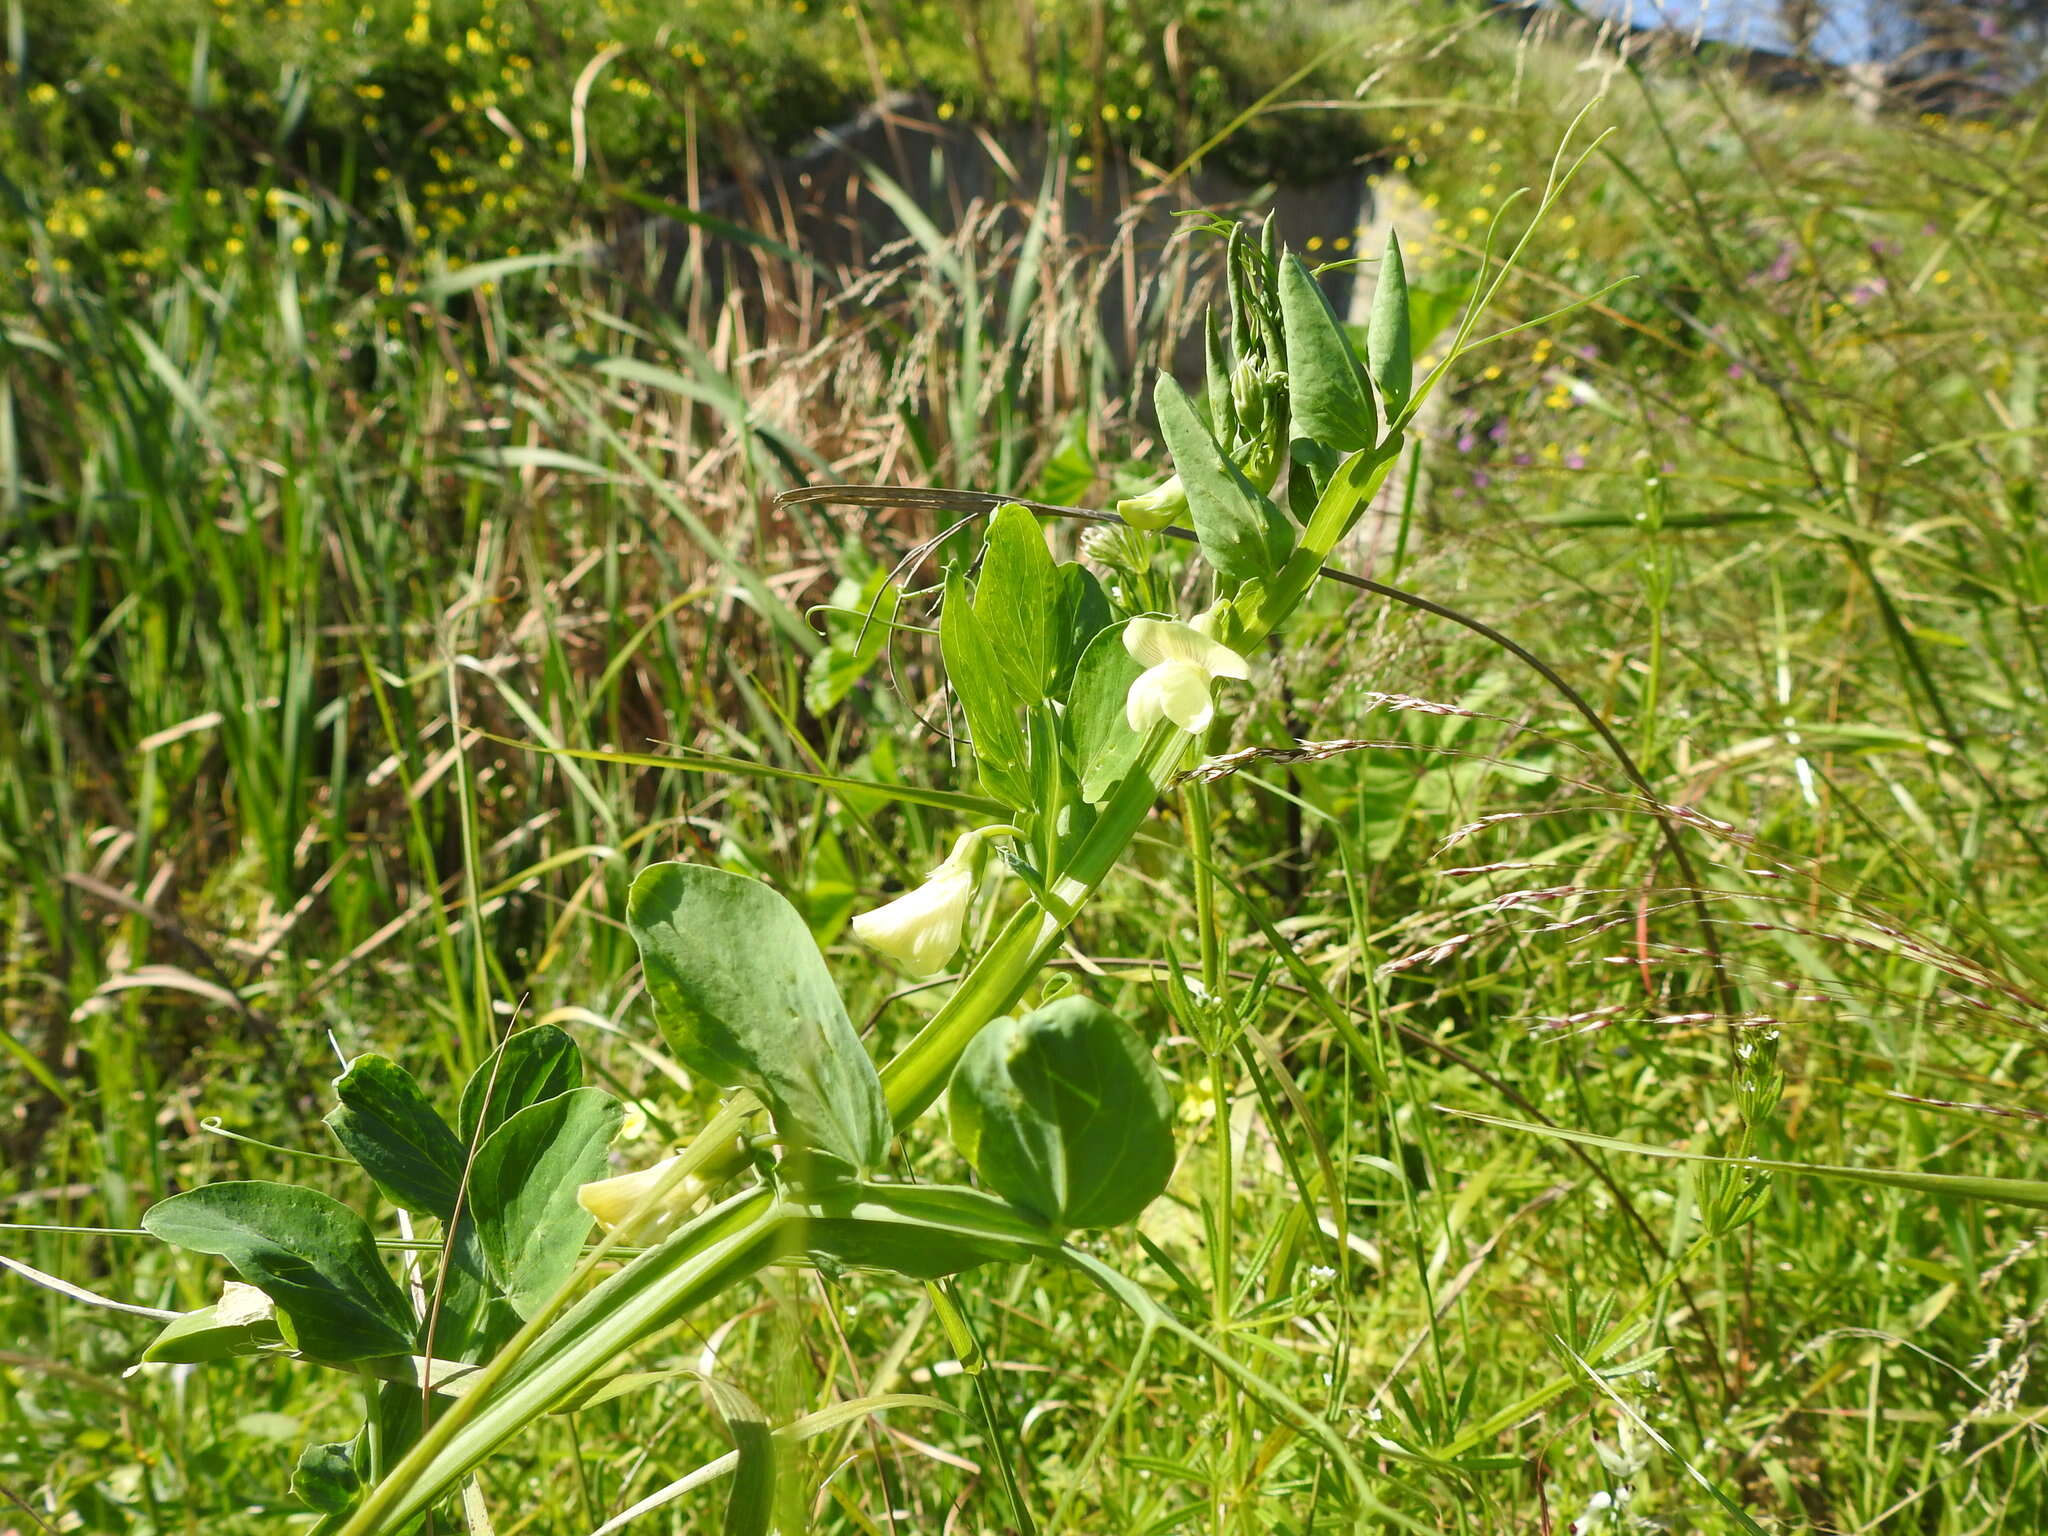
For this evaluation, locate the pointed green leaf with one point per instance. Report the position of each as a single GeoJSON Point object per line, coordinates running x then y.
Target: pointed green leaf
{"type": "Point", "coordinates": [1244, 536]}
{"type": "Point", "coordinates": [1014, 598]}
{"type": "Point", "coordinates": [1387, 341]}
{"type": "Point", "coordinates": [743, 998]}
{"type": "Point", "coordinates": [307, 1252]}
{"type": "Point", "coordinates": [1064, 1115]}
{"type": "Point", "coordinates": [982, 686]}
{"type": "Point", "coordinates": [386, 1124]}
{"type": "Point", "coordinates": [1081, 612]}
{"type": "Point", "coordinates": [1330, 401]}
{"type": "Point", "coordinates": [1103, 743]}
{"type": "Point", "coordinates": [522, 1190]}
{"type": "Point", "coordinates": [533, 1065]}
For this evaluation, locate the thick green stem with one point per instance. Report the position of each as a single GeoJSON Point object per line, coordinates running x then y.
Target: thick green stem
{"type": "Point", "coordinates": [722, 1246]}
{"type": "Point", "coordinates": [1031, 937]}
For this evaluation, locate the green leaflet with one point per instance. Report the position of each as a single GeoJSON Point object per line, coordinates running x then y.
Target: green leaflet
{"type": "Point", "coordinates": [1015, 600]}
{"type": "Point", "coordinates": [533, 1065]}
{"type": "Point", "coordinates": [743, 998]}
{"type": "Point", "coordinates": [1330, 399]}
{"type": "Point", "coordinates": [982, 686]}
{"type": "Point", "coordinates": [1244, 536]}
{"type": "Point", "coordinates": [1064, 1115]}
{"type": "Point", "coordinates": [1387, 340]}
{"type": "Point", "coordinates": [522, 1191]}
{"type": "Point", "coordinates": [326, 1479]}
{"type": "Point", "coordinates": [385, 1123]}
{"type": "Point", "coordinates": [1104, 745]}
{"type": "Point", "coordinates": [308, 1252]}
{"type": "Point", "coordinates": [1082, 613]}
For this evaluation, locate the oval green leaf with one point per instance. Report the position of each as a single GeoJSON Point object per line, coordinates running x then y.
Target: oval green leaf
{"type": "Point", "coordinates": [1063, 1114]}
{"type": "Point", "coordinates": [307, 1252]}
{"type": "Point", "coordinates": [743, 998]}
{"type": "Point", "coordinates": [522, 1191]}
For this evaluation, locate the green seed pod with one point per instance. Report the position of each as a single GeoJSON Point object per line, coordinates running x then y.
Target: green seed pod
{"type": "Point", "coordinates": [1063, 1114]}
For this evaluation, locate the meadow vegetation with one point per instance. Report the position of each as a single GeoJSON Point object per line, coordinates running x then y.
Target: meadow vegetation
{"type": "Point", "coordinates": [383, 421]}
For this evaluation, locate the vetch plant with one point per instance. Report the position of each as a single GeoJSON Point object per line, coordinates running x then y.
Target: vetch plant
{"type": "Point", "coordinates": [1082, 712]}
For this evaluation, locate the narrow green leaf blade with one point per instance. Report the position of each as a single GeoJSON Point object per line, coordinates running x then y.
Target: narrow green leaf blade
{"type": "Point", "coordinates": [2031, 1194]}
{"type": "Point", "coordinates": [1244, 536]}
{"type": "Point", "coordinates": [708, 762]}
{"type": "Point", "coordinates": [750, 1509]}
{"type": "Point", "coordinates": [1330, 401]}
{"type": "Point", "coordinates": [308, 1252]}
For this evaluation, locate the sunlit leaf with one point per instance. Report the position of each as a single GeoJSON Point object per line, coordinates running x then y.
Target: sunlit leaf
{"type": "Point", "coordinates": [1387, 339]}
{"type": "Point", "coordinates": [1244, 536]}
{"type": "Point", "coordinates": [744, 999]}
{"type": "Point", "coordinates": [1330, 400]}
{"type": "Point", "coordinates": [522, 1190]}
{"type": "Point", "coordinates": [1063, 1114]}
{"type": "Point", "coordinates": [307, 1252]}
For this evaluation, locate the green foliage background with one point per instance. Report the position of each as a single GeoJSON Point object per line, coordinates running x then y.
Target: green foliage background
{"type": "Point", "coordinates": [345, 439]}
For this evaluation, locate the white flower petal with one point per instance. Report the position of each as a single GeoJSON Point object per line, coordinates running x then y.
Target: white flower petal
{"type": "Point", "coordinates": [1173, 690]}
{"type": "Point", "coordinates": [612, 1201]}
{"type": "Point", "coordinates": [1152, 642]}
{"type": "Point", "coordinates": [241, 1305]}
{"type": "Point", "coordinates": [920, 930]}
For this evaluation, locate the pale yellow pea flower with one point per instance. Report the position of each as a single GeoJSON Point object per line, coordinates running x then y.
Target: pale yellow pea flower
{"type": "Point", "coordinates": [1180, 661]}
